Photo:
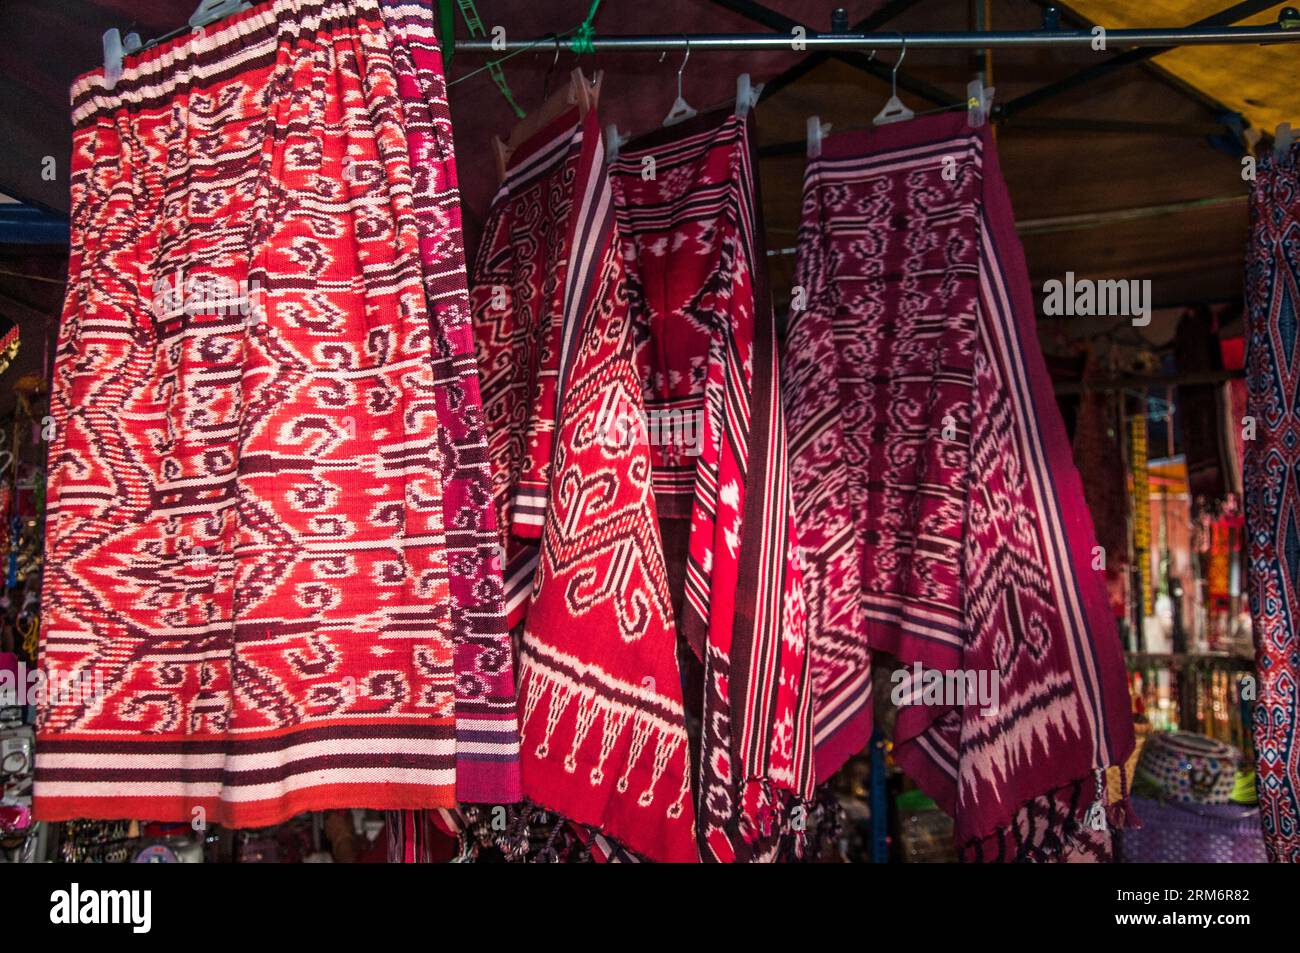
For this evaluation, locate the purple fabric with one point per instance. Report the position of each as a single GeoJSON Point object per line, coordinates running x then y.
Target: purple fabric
{"type": "Point", "coordinates": [1173, 833]}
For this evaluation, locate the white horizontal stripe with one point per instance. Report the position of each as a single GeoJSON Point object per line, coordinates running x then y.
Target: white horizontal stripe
{"type": "Point", "coordinates": [484, 747]}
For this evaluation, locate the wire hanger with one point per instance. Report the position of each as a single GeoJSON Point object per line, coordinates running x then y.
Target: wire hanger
{"type": "Point", "coordinates": [894, 110]}
{"type": "Point", "coordinates": [550, 70]}
{"type": "Point", "coordinates": [682, 110]}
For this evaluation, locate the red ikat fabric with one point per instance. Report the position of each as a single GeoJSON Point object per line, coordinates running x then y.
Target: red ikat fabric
{"type": "Point", "coordinates": [603, 737]}
{"type": "Point", "coordinates": [706, 355]}
{"type": "Point", "coordinates": [487, 738]}
{"type": "Point", "coordinates": [943, 519]}
{"type": "Point", "coordinates": [247, 538]}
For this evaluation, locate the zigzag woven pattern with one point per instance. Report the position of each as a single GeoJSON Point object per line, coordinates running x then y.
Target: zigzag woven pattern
{"type": "Point", "coordinates": [931, 467]}
{"type": "Point", "coordinates": [705, 337]}
{"type": "Point", "coordinates": [601, 720]}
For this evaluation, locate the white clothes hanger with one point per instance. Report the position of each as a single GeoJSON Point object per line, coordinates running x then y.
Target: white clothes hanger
{"type": "Point", "coordinates": [682, 110]}
{"type": "Point", "coordinates": [894, 110]}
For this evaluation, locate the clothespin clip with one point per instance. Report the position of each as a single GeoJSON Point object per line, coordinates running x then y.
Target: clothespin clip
{"type": "Point", "coordinates": [210, 11]}
{"type": "Point", "coordinates": [979, 102]}
{"type": "Point", "coordinates": [1283, 139]}
{"type": "Point", "coordinates": [614, 140]}
{"type": "Point", "coordinates": [113, 53]}
{"type": "Point", "coordinates": [817, 130]}
{"type": "Point", "coordinates": [132, 43]}
{"type": "Point", "coordinates": [746, 95]}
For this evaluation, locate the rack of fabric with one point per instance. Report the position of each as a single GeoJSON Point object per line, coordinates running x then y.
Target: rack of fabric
{"type": "Point", "coordinates": [578, 551]}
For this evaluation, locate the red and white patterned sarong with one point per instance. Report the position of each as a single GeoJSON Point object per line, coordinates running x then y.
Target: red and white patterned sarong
{"type": "Point", "coordinates": [942, 517]}
{"type": "Point", "coordinates": [247, 543]}
{"type": "Point", "coordinates": [487, 735]}
{"type": "Point", "coordinates": [706, 354]}
{"type": "Point", "coordinates": [602, 725]}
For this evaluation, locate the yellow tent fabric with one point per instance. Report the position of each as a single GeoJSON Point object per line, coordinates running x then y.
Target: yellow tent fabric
{"type": "Point", "coordinates": [1260, 82]}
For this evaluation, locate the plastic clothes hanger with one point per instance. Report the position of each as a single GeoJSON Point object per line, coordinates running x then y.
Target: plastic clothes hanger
{"type": "Point", "coordinates": [979, 102]}
{"type": "Point", "coordinates": [614, 141]}
{"type": "Point", "coordinates": [894, 110]}
{"type": "Point", "coordinates": [116, 48]}
{"type": "Point", "coordinates": [682, 110]}
{"type": "Point", "coordinates": [210, 11]}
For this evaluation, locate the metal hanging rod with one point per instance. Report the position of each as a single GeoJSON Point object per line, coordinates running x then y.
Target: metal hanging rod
{"type": "Point", "coordinates": [842, 42]}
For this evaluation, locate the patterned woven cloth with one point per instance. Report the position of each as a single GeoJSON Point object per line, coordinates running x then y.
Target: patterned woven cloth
{"type": "Point", "coordinates": [487, 738]}
{"type": "Point", "coordinates": [1272, 494]}
{"type": "Point", "coordinates": [942, 518]}
{"type": "Point", "coordinates": [1213, 467]}
{"type": "Point", "coordinates": [247, 526]}
{"type": "Point", "coordinates": [1099, 454]}
{"type": "Point", "coordinates": [705, 347]}
{"type": "Point", "coordinates": [602, 723]}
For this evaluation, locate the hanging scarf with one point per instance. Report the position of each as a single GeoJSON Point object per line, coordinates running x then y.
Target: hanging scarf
{"type": "Point", "coordinates": [246, 546]}
{"type": "Point", "coordinates": [487, 738]}
{"type": "Point", "coordinates": [1138, 460]}
{"type": "Point", "coordinates": [705, 349]}
{"type": "Point", "coordinates": [603, 738]}
{"type": "Point", "coordinates": [1099, 454]}
{"type": "Point", "coordinates": [9, 342]}
{"type": "Point", "coordinates": [931, 459]}
{"type": "Point", "coordinates": [1213, 468]}
{"type": "Point", "coordinates": [1272, 494]}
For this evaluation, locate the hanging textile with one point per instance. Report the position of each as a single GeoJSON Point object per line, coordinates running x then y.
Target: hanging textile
{"type": "Point", "coordinates": [246, 532]}
{"type": "Point", "coordinates": [9, 342]}
{"type": "Point", "coordinates": [487, 738]}
{"type": "Point", "coordinates": [1099, 454]}
{"type": "Point", "coordinates": [1213, 467]}
{"type": "Point", "coordinates": [929, 454]}
{"type": "Point", "coordinates": [1234, 359]}
{"type": "Point", "coordinates": [705, 341]}
{"type": "Point", "coordinates": [1138, 460]}
{"type": "Point", "coordinates": [1272, 494]}
{"type": "Point", "coordinates": [602, 725]}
